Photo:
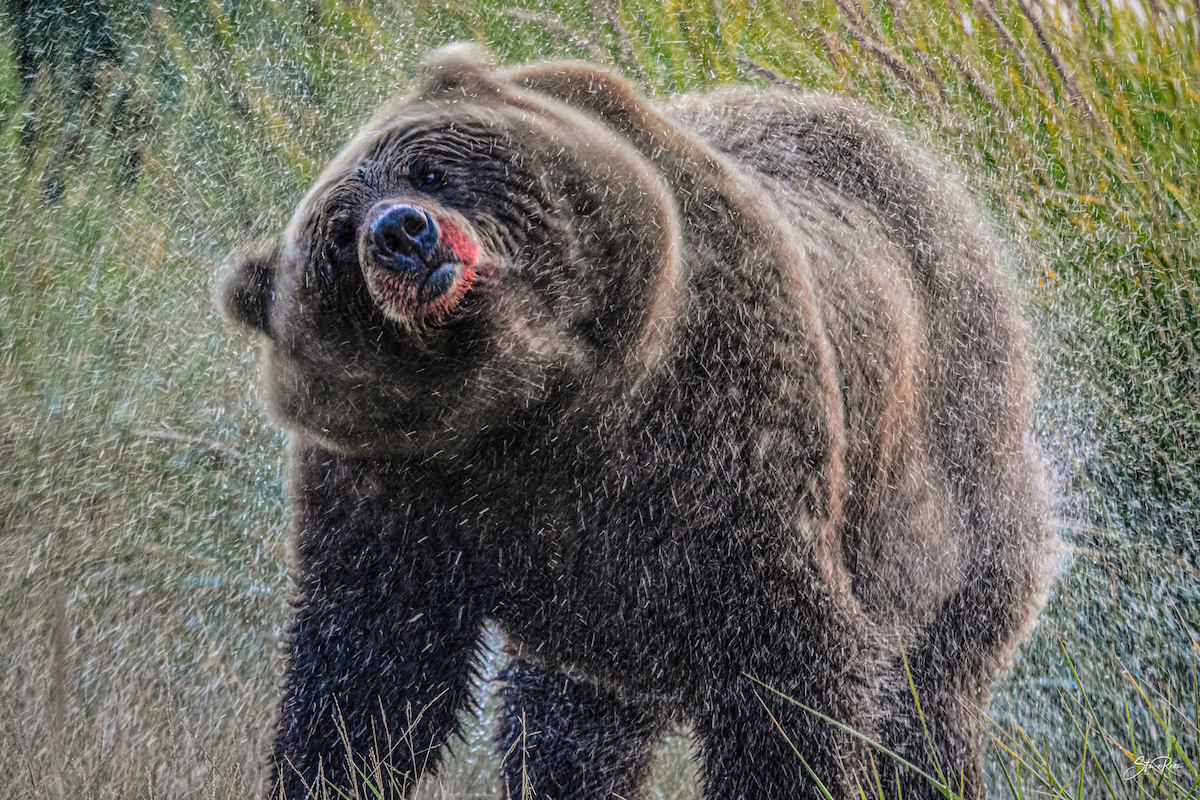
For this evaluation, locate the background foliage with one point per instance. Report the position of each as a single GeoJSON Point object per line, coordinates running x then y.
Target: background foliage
{"type": "Point", "coordinates": [142, 531]}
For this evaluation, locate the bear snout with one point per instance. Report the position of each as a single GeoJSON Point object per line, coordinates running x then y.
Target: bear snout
{"type": "Point", "coordinates": [403, 237]}
{"type": "Point", "coordinates": [418, 262]}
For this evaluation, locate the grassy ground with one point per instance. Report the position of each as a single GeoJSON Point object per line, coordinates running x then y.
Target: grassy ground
{"type": "Point", "coordinates": [142, 530]}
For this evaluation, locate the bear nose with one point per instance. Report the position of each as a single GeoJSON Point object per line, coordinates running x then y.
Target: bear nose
{"type": "Point", "coordinates": [403, 235]}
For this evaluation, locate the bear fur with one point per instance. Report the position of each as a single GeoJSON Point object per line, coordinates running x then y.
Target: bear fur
{"type": "Point", "coordinates": [705, 405]}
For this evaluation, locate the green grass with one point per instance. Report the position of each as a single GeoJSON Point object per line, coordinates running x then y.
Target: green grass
{"type": "Point", "coordinates": [1111, 764]}
{"type": "Point", "coordinates": [142, 529]}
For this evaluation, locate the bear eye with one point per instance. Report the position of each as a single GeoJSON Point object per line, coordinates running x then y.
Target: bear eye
{"type": "Point", "coordinates": [425, 177]}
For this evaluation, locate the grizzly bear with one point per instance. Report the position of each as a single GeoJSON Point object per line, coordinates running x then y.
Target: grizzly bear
{"type": "Point", "coordinates": [718, 410]}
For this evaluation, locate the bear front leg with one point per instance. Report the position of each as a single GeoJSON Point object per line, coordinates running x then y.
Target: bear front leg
{"type": "Point", "coordinates": [757, 741]}
{"type": "Point", "coordinates": [383, 645]}
{"type": "Point", "coordinates": [374, 680]}
{"type": "Point", "coordinates": [745, 755]}
{"type": "Point", "coordinates": [566, 740]}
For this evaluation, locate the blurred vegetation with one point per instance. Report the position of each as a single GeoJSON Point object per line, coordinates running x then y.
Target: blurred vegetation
{"type": "Point", "coordinates": [142, 532]}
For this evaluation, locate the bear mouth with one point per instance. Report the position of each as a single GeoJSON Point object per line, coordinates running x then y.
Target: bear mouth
{"type": "Point", "coordinates": [420, 292]}
{"type": "Point", "coordinates": [426, 301]}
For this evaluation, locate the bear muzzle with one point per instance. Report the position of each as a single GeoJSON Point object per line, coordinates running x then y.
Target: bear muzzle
{"type": "Point", "coordinates": [418, 264]}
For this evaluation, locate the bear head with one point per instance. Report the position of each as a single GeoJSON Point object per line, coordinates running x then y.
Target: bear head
{"type": "Point", "coordinates": [492, 249]}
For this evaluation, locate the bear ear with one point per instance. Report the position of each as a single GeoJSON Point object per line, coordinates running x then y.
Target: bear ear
{"type": "Point", "coordinates": [248, 288]}
{"type": "Point", "coordinates": [458, 70]}
{"type": "Point", "coordinates": [592, 89]}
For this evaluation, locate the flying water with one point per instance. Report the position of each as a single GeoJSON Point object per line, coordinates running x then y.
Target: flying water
{"type": "Point", "coordinates": [143, 530]}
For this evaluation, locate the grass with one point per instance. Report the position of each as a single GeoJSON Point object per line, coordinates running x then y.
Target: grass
{"type": "Point", "coordinates": [1114, 768]}
{"type": "Point", "coordinates": [142, 529]}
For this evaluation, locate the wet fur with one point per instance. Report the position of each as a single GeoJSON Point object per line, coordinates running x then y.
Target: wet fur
{"type": "Point", "coordinates": [744, 410]}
